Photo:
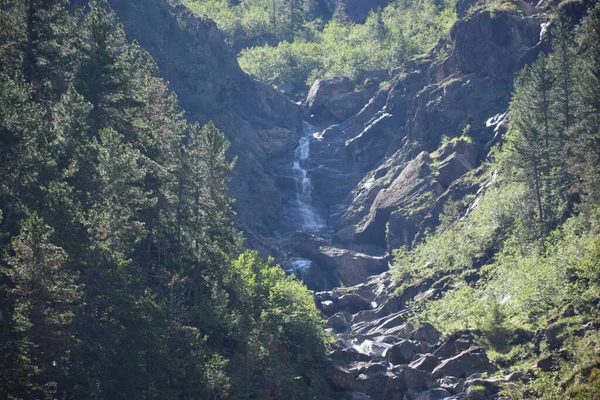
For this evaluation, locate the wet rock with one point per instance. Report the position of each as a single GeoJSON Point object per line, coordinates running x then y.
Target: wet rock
{"type": "Point", "coordinates": [403, 352]}
{"type": "Point", "coordinates": [328, 307]}
{"type": "Point", "coordinates": [426, 333]}
{"type": "Point", "coordinates": [447, 383]}
{"type": "Point", "coordinates": [464, 364]}
{"type": "Point", "coordinates": [433, 394]}
{"type": "Point", "coordinates": [324, 89]}
{"type": "Point", "coordinates": [339, 321]}
{"type": "Point", "coordinates": [425, 362]}
{"type": "Point", "coordinates": [369, 146]}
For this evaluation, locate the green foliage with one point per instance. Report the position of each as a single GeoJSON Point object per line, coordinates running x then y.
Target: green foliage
{"type": "Point", "coordinates": [283, 41]}
{"type": "Point", "coordinates": [577, 378]}
{"type": "Point", "coordinates": [388, 38]}
{"type": "Point", "coordinates": [459, 245]}
{"type": "Point", "coordinates": [540, 251]}
{"type": "Point", "coordinates": [257, 22]}
{"type": "Point", "coordinates": [119, 269]}
{"type": "Point", "coordinates": [275, 312]}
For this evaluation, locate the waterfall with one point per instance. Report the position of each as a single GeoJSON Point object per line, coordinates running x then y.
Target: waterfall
{"type": "Point", "coordinates": [310, 220]}
{"type": "Point", "coordinates": [300, 267]}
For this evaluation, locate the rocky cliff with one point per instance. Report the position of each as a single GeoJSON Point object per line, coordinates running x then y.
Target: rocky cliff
{"type": "Point", "coordinates": [373, 173]}
{"type": "Point", "coordinates": [262, 124]}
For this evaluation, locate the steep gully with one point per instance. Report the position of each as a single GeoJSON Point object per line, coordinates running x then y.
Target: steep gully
{"type": "Point", "coordinates": [378, 189]}
{"type": "Point", "coordinates": [330, 201]}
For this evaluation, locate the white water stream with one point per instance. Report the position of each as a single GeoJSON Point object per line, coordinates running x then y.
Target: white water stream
{"type": "Point", "coordinates": [310, 220]}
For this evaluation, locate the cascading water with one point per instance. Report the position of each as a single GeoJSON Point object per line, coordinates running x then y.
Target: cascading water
{"type": "Point", "coordinates": [310, 220]}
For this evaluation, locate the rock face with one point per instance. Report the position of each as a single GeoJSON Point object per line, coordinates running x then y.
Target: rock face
{"type": "Point", "coordinates": [495, 44]}
{"type": "Point", "coordinates": [259, 121]}
{"type": "Point", "coordinates": [388, 143]}
{"type": "Point", "coordinates": [406, 190]}
{"type": "Point", "coordinates": [344, 106]}
{"type": "Point", "coordinates": [457, 159]}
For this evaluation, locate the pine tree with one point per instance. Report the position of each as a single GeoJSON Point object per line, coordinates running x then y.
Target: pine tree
{"type": "Point", "coordinates": [341, 15]}
{"type": "Point", "coordinates": [98, 77]}
{"type": "Point", "coordinates": [588, 98]}
{"type": "Point", "coordinates": [562, 63]}
{"type": "Point", "coordinates": [23, 142]}
{"type": "Point", "coordinates": [535, 151]}
{"type": "Point", "coordinates": [47, 295]}
{"type": "Point", "coordinates": [12, 33]}
{"type": "Point", "coordinates": [210, 149]}
{"type": "Point", "coordinates": [46, 45]}
{"type": "Point", "coordinates": [119, 198]}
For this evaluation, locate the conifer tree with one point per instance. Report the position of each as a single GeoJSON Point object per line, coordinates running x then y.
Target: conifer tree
{"type": "Point", "coordinates": [48, 296]}
{"type": "Point", "coordinates": [46, 45]}
{"type": "Point", "coordinates": [588, 96]}
{"type": "Point", "coordinates": [535, 150]}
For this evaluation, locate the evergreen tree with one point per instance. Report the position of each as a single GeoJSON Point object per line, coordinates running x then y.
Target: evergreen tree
{"type": "Point", "coordinates": [98, 78]}
{"type": "Point", "coordinates": [562, 63]}
{"type": "Point", "coordinates": [535, 149]}
{"type": "Point", "coordinates": [116, 226]}
{"type": "Point", "coordinates": [47, 296]}
{"type": "Point", "coordinates": [46, 47]}
{"type": "Point", "coordinates": [588, 95]}
{"type": "Point", "coordinates": [341, 15]}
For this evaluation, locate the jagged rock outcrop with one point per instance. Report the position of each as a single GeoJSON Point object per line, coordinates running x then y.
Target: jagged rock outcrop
{"type": "Point", "coordinates": [400, 198]}
{"type": "Point", "coordinates": [495, 44]}
{"type": "Point", "coordinates": [440, 96]}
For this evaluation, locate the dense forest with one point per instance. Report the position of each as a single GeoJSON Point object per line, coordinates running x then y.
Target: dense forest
{"type": "Point", "coordinates": [122, 274]}
{"type": "Point", "coordinates": [449, 263]}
